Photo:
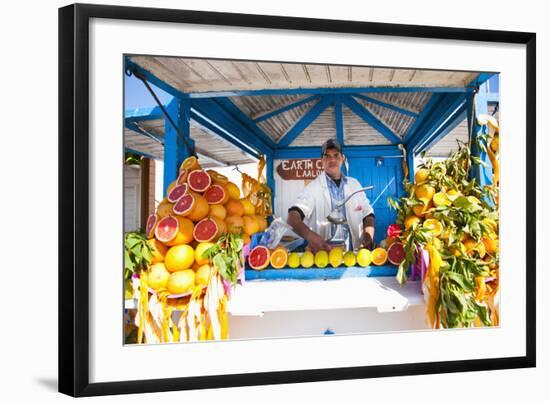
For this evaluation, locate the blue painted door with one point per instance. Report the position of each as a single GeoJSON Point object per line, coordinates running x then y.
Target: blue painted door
{"type": "Point", "coordinates": [379, 172]}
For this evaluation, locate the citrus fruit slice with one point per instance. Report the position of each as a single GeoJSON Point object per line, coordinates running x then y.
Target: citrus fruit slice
{"type": "Point", "coordinates": [379, 256]}
{"type": "Point", "coordinates": [258, 259]}
{"type": "Point", "coordinates": [184, 234]}
{"type": "Point", "coordinates": [278, 258]}
{"type": "Point", "coordinates": [396, 253]}
{"type": "Point", "coordinates": [176, 193]}
{"type": "Point", "coordinates": [216, 195]}
{"type": "Point", "coordinates": [206, 230]}
{"type": "Point", "coordinates": [422, 208]}
{"type": "Point", "coordinates": [184, 206]}
{"type": "Point", "coordinates": [198, 180]}
{"type": "Point", "coordinates": [150, 226]}
{"type": "Point", "coordinates": [434, 226]}
{"type": "Point", "coordinates": [441, 199]}
{"type": "Point", "coordinates": [190, 164]}
{"type": "Point", "coordinates": [167, 229]}
{"type": "Point", "coordinates": [412, 221]}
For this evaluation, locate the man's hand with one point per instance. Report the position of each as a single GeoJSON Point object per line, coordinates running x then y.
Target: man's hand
{"type": "Point", "coordinates": [367, 241]}
{"type": "Point", "coordinates": [316, 243]}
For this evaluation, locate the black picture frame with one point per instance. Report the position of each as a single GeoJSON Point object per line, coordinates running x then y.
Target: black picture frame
{"type": "Point", "coordinates": [74, 198]}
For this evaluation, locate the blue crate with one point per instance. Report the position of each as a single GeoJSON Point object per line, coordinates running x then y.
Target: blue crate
{"type": "Point", "coordinates": [315, 273]}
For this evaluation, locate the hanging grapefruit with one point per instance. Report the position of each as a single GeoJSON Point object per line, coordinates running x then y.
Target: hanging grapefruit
{"type": "Point", "coordinates": [216, 195]}
{"type": "Point", "coordinates": [150, 226]}
{"type": "Point", "coordinates": [190, 164]}
{"type": "Point", "coordinates": [198, 180]}
{"type": "Point", "coordinates": [176, 193]}
{"type": "Point", "coordinates": [206, 230]}
{"type": "Point", "coordinates": [167, 229]}
{"type": "Point", "coordinates": [185, 232]}
{"type": "Point", "coordinates": [258, 259]}
{"type": "Point", "coordinates": [396, 253]}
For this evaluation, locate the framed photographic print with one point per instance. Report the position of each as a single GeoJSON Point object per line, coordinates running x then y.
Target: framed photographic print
{"type": "Point", "coordinates": [258, 200]}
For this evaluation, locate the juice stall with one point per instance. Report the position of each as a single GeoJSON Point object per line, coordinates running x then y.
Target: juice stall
{"type": "Point", "coordinates": [224, 114]}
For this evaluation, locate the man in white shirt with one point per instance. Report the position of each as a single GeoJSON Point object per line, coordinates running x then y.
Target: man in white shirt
{"type": "Point", "coordinates": [307, 216]}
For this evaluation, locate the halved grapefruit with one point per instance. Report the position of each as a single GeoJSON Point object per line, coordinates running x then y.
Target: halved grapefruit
{"type": "Point", "coordinates": [190, 164]}
{"type": "Point", "coordinates": [206, 230]}
{"type": "Point", "coordinates": [152, 221]}
{"type": "Point", "coordinates": [216, 195]}
{"type": "Point", "coordinates": [199, 180]}
{"type": "Point", "coordinates": [167, 229]}
{"type": "Point", "coordinates": [176, 193]}
{"type": "Point", "coordinates": [184, 206]}
{"type": "Point", "coordinates": [258, 259]}
{"type": "Point", "coordinates": [396, 253]}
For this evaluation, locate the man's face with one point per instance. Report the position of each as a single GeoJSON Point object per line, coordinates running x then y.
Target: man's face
{"type": "Point", "coordinates": [332, 163]}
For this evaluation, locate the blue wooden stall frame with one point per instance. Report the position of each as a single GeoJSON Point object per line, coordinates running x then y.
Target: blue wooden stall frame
{"type": "Point", "coordinates": [446, 108]}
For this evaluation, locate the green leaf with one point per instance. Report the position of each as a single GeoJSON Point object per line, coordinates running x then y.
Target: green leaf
{"type": "Point", "coordinates": [128, 264]}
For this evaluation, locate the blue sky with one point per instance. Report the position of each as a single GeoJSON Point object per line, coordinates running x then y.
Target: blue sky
{"type": "Point", "coordinates": [137, 95]}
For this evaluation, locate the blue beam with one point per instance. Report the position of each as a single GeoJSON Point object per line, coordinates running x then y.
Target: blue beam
{"type": "Point", "coordinates": [452, 122]}
{"type": "Point", "coordinates": [326, 91]}
{"type": "Point", "coordinates": [230, 107]}
{"type": "Point", "coordinates": [481, 79]}
{"type": "Point", "coordinates": [285, 108]}
{"type": "Point", "coordinates": [371, 119]}
{"type": "Point", "coordinates": [307, 152]}
{"type": "Point", "coordinates": [175, 151]}
{"type": "Point", "coordinates": [483, 175]}
{"type": "Point", "coordinates": [223, 133]}
{"type": "Point", "coordinates": [305, 121]}
{"type": "Point", "coordinates": [269, 173]}
{"type": "Point", "coordinates": [211, 110]}
{"type": "Point", "coordinates": [446, 106]}
{"type": "Point", "coordinates": [387, 105]}
{"type": "Point", "coordinates": [410, 165]}
{"type": "Point", "coordinates": [426, 111]}
{"type": "Point", "coordinates": [339, 120]}
{"type": "Point", "coordinates": [143, 114]}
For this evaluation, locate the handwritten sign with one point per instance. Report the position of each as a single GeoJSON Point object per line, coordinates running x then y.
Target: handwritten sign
{"type": "Point", "coordinates": [300, 169]}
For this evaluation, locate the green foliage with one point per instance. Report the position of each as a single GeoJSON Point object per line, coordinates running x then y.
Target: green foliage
{"type": "Point", "coordinates": [226, 256]}
{"type": "Point", "coordinates": [137, 253]}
